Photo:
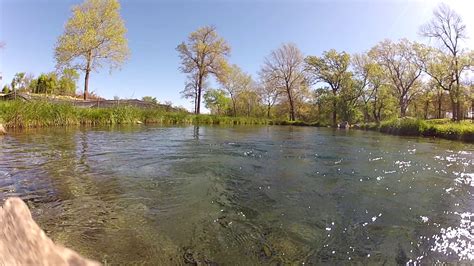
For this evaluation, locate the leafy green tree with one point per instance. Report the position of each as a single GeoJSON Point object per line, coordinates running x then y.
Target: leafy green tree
{"type": "Point", "coordinates": [268, 93]}
{"type": "Point", "coordinates": [67, 82]}
{"type": "Point", "coordinates": [149, 99]}
{"type": "Point", "coordinates": [448, 28]}
{"type": "Point", "coordinates": [285, 67]}
{"type": "Point", "coordinates": [440, 68]}
{"type": "Point", "coordinates": [370, 78]}
{"type": "Point", "coordinates": [383, 104]}
{"type": "Point", "coordinates": [93, 36]}
{"type": "Point", "coordinates": [400, 64]}
{"type": "Point", "coordinates": [202, 55]}
{"type": "Point", "coordinates": [216, 101]}
{"type": "Point", "coordinates": [235, 82]}
{"type": "Point", "coordinates": [331, 68]}
{"type": "Point", "coordinates": [18, 81]}
{"type": "Point", "coordinates": [6, 89]}
{"type": "Point", "coordinates": [248, 101]}
{"type": "Point", "coordinates": [47, 83]}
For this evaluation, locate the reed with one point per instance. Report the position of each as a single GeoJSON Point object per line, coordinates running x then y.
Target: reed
{"type": "Point", "coordinates": [443, 128]}
{"type": "Point", "coordinates": [16, 114]}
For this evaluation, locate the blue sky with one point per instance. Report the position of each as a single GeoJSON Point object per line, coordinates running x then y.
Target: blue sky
{"type": "Point", "coordinates": [30, 28]}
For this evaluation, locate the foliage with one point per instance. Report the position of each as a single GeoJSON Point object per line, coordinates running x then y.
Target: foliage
{"type": "Point", "coordinates": [442, 128]}
{"type": "Point", "coordinates": [235, 83]}
{"type": "Point", "coordinates": [93, 36]}
{"type": "Point", "coordinates": [202, 55]}
{"type": "Point", "coordinates": [67, 82]}
{"type": "Point", "coordinates": [21, 81]}
{"type": "Point", "coordinates": [446, 64]}
{"type": "Point", "coordinates": [47, 83]}
{"type": "Point", "coordinates": [149, 99]}
{"type": "Point", "coordinates": [6, 89]}
{"type": "Point", "coordinates": [284, 67]}
{"type": "Point", "coordinates": [400, 63]}
{"type": "Point", "coordinates": [17, 114]}
{"type": "Point", "coordinates": [332, 68]}
{"type": "Point", "coordinates": [217, 102]}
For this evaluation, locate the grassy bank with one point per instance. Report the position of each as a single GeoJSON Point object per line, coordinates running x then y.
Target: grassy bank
{"type": "Point", "coordinates": [442, 128]}
{"type": "Point", "coordinates": [296, 123]}
{"type": "Point", "coordinates": [16, 114]}
{"type": "Point", "coordinates": [43, 114]}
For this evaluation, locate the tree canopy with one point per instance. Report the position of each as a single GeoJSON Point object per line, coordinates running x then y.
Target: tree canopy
{"type": "Point", "coordinates": [93, 37]}
{"type": "Point", "coordinates": [202, 55]}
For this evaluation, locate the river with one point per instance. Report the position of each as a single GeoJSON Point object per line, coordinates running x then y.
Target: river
{"type": "Point", "coordinates": [245, 195]}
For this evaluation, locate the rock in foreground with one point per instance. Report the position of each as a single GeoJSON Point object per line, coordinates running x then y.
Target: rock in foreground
{"type": "Point", "coordinates": [22, 242]}
{"type": "Point", "coordinates": [2, 130]}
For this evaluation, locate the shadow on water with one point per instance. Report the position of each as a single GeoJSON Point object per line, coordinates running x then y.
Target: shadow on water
{"type": "Point", "coordinates": [245, 195]}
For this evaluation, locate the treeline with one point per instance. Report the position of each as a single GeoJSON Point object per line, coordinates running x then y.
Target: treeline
{"type": "Point", "coordinates": [62, 83]}
{"type": "Point", "coordinates": [392, 79]}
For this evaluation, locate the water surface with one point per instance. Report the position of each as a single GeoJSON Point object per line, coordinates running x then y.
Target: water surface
{"type": "Point", "coordinates": [245, 195]}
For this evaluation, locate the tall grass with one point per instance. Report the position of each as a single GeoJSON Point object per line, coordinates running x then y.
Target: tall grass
{"type": "Point", "coordinates": [443, 128]}
{"type": "Point", "coordinates": [16, 114]}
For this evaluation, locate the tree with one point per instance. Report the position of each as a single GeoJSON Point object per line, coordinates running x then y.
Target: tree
{"type": "Point", "coordinates": [216, 101]}
{"type": "Point", "coordinates": [149, 99]}
{"type": "Point", "coordinates": [47, 83]}
{"type": "Point", "coordinates": [269, 92]}
{"type": "Point", "coordinates": [190, 90]}
{"type": "Point", "coordinates": [234, 81]}
{"type": "Point", "coordinates": [203, 54]}
{"type": "Point", "coordinates": [331, 68]}
{"type": "Point", "coordinates": [67, 82]}
{"type": "Point", "coordinates": [400, 63]}
{"type": "Point", "coordinates": [448, 29]}
{"type": "Point", "coordinates": [20, 82]}
{"type": "Point", "coordinates": [371, 78]}
{"type": "Point", "coordinates": [285, 68]}
{"type": "Point", "coordinates": [6, 89]}
{"type": "Point", "coordinates": [248, 100]}
{"type": "Point", "coordinates": [363, 69]}
{"type": "Point", "coordinates": [93, 36]}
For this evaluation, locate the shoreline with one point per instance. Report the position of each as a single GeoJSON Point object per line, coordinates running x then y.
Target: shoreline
{"type": "Point", "coordinates": [20, 115]}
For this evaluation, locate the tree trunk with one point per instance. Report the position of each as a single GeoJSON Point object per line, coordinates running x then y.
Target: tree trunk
{"type": "Point", "coordinates": [454, 109]}
{"type": "Point", "coordinates": [234, 109]}
{"type": "Point", "coordinates": [374, 112]}
{"type": "Point", "coordinates": [198, 106]}
{"type": "Point", "coordinates": [459, 115]}
{"type": "Point", "coordinates": [457, 90]}
{"type": "Point", "coordinates": [366, 113]}
{"type": "Point", "coordinates": [334, 110]}
{"type": "Point", "coordinates": [440, 100]}
{"type": "Point", "coordinates": [427, 106]}
{"type": "Point", "coordinates": [292, 107]}
{"type": "Point", "coordinates": [268, 111]}
{"type": "Point", "coordinates": [88, 70]}
{"type": "Point", "coordinates": [403, 108]}
{"type": "Point", "coordinates": [195, 103]}
{"type": "Point", "coordinates": [86, 85]}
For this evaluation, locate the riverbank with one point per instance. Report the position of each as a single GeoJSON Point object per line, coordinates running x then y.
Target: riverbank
{"type": "Point", "coordinates": [441, 128]}
{"type": "Point", "coordinates": [16, 114]}
{"type": "Point", "coordinates": [43, 114]}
